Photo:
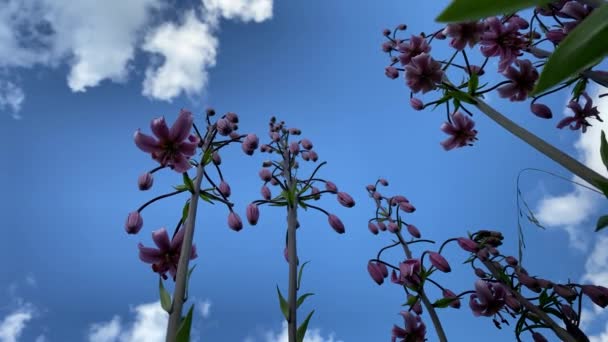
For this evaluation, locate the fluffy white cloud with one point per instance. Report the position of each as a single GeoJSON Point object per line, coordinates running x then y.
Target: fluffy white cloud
{"type": "Point", "coordinates": [312, 335]}
{"type": "Point", "coordinates": [149, 325]}
{"type": "Point", "coordinates": [246, 10]}
{"type": "Point", "coordinates": [569, 211]}
{"type": "Point", "coordinates": [12, 325]}
{"type": "Point", "coordinates": [188, 50]}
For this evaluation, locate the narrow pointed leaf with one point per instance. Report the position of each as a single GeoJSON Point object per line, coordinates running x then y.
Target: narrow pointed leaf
{"type": "Point", "coordinates": [283, 303]}
{"type": "Point", "coordinates": [300, 274]}
{"type": "Point", "coordinates": [185, 212]}
{"type": "Point", "coordinates": [183, 332]}
{"type": "Point", "coordinates": [582, 48]}
{"type": "Point", "coordinates": [604, 149]}
{"type": "Point", "coordinates": [602, 223]}
{"type": "Point", "coordinates": [188, 182]}
{"type": "Point", "coordinates": [444, 302]}
{"type": "Point", "coordinates": [208, 157]}
{"type": "Point", "coordinates": [302, 298]}
{"type": "Point", "coordinates": [473, 83]}
{"type": "Point", "coordinates": [165, 297]}
{"type": "Point", "coordinates": [205, 198]}
{"type": "Point", "coordinates": [188, 281]}
{"type": "Point", "coordinates": [464, 10]}
{"type": "Point", "coordinates": [302, 329]}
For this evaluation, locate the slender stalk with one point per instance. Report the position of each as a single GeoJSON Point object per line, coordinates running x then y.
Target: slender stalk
{"type": "Point", "coordinates": [425, 300]}
{"type": "Point", "coordinates": [182, 266]}
{"type": "Point", "coordinates": [559, 331]}
{"type": "Point", "coordinates": [292, 256]}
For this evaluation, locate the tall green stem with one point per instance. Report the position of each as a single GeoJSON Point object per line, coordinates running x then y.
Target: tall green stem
{"type": "Point", "coordinates": [292, 219]}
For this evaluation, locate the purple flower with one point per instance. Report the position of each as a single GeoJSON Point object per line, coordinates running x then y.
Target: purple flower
{"type": "Point", "coordinates": [224, 189]}
{"type": "Point", "coordinates": [468, 245]}
{"type": "Point", "coordinates": [407, 207]}
{"type": "Point", "coordinates": [416, 103]}
{"type": "Point", "coordinates": [335, 223]}
{"type": "Point", "coordinates": [541, 110]}
{"type": "Point", "coordinates": [410, 272]}
{"type": "Point", "coordinates": [217, 160]}
{"type": "Point", "coordinates": [250, 143]}
{"type": "Point", "coordinates": [232, 117]}
{"type": "Point", "coordinates": [397, 200]}
{"type": "Point", "coordinates": [488, 298]}
{"type": "Point", "coordinates": [423, 73]}
{"type": "Point", "coordinates": [388, 46]}
{"type": "Point", "coordinates": [464, 33]}
{"type": "Point", "coordinates": [391, 72]}
{"type": "Point", "coordinates": [522, 81]}
{"type": "Point", "coordinates": [414, 47]}
{"type": "Point", "coordinates": [597, 294]}
{"type": "Point", "coordinates": [165, 258]}
{"type": "Point", "coordinates": [393, 227]}
{"type": "Point", "coordinates": [145, 181]}
{"type": "Point", "coordinates": [346, 200]}
{"type": "Point", "coordinates": [172, 147]}
{"type": "Point", "coordinates": [265, 191]}
{"type": "Point", "coordinates": [581, 114]}
{"type": "Point", "coordinates": [439, 262]}
{"type": "Point", "coordinates": [331, 187]}
{"type": "Point", "coordinates": [381, 226]}
{"type": "Point", "coordinates": [134, 223]}
{"type": "Point", "coordinates": [413, 230]}
{"type": "Point", "coordinates": [376, 272]}
{"type": "Point", "coordinates": [306, 144]}
{"type": "Point", "coordinates": [372, 228]}
{"type": "Point", "coordinates": [234, 221]}
{"type": "Point", "coordinates": [253, 214]}
{"type": "Point", "coordinates": [294, 148]}
{"type": "Point", "coordinates": [461, 131]}
{"type": "Point", "coordinates": [414, 331]}
{"type": "Point", "coordinates": [502, 40]}
{"type": "Point", "coordinates": [313, 155]}
{"type": "Point", "coordinates": [224, 127]}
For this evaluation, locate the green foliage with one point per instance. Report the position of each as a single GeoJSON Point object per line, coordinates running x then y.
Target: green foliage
{"type": "Point", "coordinates": [465, 10]}
{"type": "Point", "coordinates": [165, 297]}
{"type": "Point", "coordinates": [302, 329]}
{"type": "Point", "coordinates": [283, 304]}
{"type": "Point", "coordinates": [183, 332]}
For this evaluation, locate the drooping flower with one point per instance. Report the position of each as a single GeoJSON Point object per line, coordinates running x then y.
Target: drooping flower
{"type": "Point", "coordinates": [145, 181]}
{"type": "Point", "coordinates": [597, 294]}
{"type": "Point", "coordinates": [234, 221]}
{"type": "Point", "coordinates": [372, 228]}
{"type": "Point", "coordinates": [413, 230]}
{"type": "Point", "coordinates": [439, 262]}
{"type": "Point", "coordinates": [253, 214]}
{"type": "Point", "coordinates": [522, 81]}
{"type": "Point", "coordinates": [410, 272]}
{"type": "Point", "coordinates": [541, 110]}
{"type": "Point", "coordinates": [581, 114]}
{"type": "Point", "coordinates": [306, 144]}
{"type": "Point", "coordinates": [335, 223]}
{"type": "Point", "coordinates": [171, 147]}
{"type": "Point", "coordinates": [464, 33]}
{"type": "Point", "coordinates": [488, 298]}
{"type": "Point", "coordinates": [250, 144]}
{"type": "Point", "coordinates": [165, 258]}
{"type": "Point", "coordinates": [134, 223]}
{"type": "Point", "coordinates": [412, 48]}
{"type": "Point", "coordinates": [416, 103]}
{"type": "Point", "coordinates": [415, 330]}
{"type": "Point", "coordinates": [502, 40]}
{"type": "Point", "coordinates": [265, 175]}
{"type": "Point", "coordinates": [461, 131]}
{"type": "Point", "coordinates": [345, 199]}
{"type": "Point", "coordinates": [375, 272]}
{"type": "Point", "coordinates": [468, 245]}
{"type": "Point", "coordinates": [224, 189]}
{"type": "Point", "coordinates": [391, 72]}
{"type": "Point", "coordinates": [331, 187]}
{"type": "Point", "coordinates": [423, 73]}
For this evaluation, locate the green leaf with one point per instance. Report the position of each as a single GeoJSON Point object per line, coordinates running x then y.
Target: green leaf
{"type": "Point", "coordinates": [183, 332]}
{"type": "Point", "coordinates": [444, 302]}
{"type": "Point", "coordinates": [188, 281]}
{"type": "Point", "coordinates": [207, 157]}
{"type": "Point", "coordinates": [185, 212]}
{"type": "Point", "coordinates": [604, 149]}
{"type": "Point", "coordinates": [473, 83]}
{"type": "Point", "coordinates": [602, 223]}
{"type": "Point", "coordinates": [180, 187]}
{"type": "Point", "coordinates": [302, 329]}
{"type": "Point", "coordinates": [205, 198]}
{"type": "Point", "coordinates": [411, 301]}
{"type": "Point", "coordinates": [579, 87]}
{"type": "Point", "coordinates": [582, 48]}
{"type": "Point", "coordinates": [165, 297]}
{"type": "Point", "coordinates": [300, 274]}
{"type": "Point", "coordinates": [543, 299]}
{"type": "Point", "coordinates": [462, 97]}
{"type": "Point", "coordinates": [188, 182]}
{"type": "Point", "coordinates": [602, 185]}
{"type": "Point", "coordinates": [283, 303]}
{"type": "Point", "coordinates": [302, 204]}
{"type": "Point", "coordinates": [464, 10]}
{"type": "Point", "coordinates": [302, 298]}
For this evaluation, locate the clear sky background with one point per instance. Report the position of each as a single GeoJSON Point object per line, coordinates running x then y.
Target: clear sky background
{"type": "Point", "coordinates": [78, 78]}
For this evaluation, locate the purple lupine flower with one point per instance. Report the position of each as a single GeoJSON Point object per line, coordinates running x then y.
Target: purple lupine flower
{"type": "Point", "coordinates": [439, 262]}
{"type": "Point", "coordinates": [502, 40]}
{"type": "Point", "coordinates": [449, 294]}
{"type": "Point", "coordinates": [134, 223]}
{"type": "Point", "coordinates": [416, 103]}
{"type": "Point", "coordinates": [145, 181]}
{"type": "Point", "coordinates": [522, 81]}
{"type": "Point", "coordinates": [581, 114]}
{"type": "Point", "coordinates": [414, 47]}
{"type": "Point", "coordinates": [461, 131]}
{"type": "Point", "coordinates": [265, 191]}
{"type": "Point", "coordinates": [224, 189]}
{"type": "Point", "coordinates": [265, 174]}
{"type": "Point", "coordinates": [253, 214]}
{"type": "Point", "coordinates": [541, 110]}
{"type": "Point", "coordinates": [165, 258]}
{"type": "Point", "coordinates": [423, 73]}
{"type": "Point", "coordinates": [468, 245]}
{"type": "Point", "coordinates": [391, 72]}
{"type": "Point", "coordinates": [172, 147]}
{"type": "Point", "coordinates": [410, 272]}
{"type": "Point", "coordinates": [375, 272]}
{"type": "Point", "coordinates": [597, 294]}
{"type": "Point", "coordinates": [306, 144]}
{"type": "Point", "coordinates": [372, 228]}
{"type": "Point", "coordinates": [234, 221]}
{"type": "Point", "coordinates": [250, 144]}
{"type": "Point", "coordinates": [345, 199]}
{"type": "Point", "coordinates": [415, 330]}
{"type": "Point", "coordinates": [413, 230]}
{"type": "Point", "coordinates": [335, 223]}
{"type": "Point", "coordinates": [464, 33]}
{"type": "Point", "coordinates": [488, 298]}
{"type": "Point", "coordinates": [331, 187]}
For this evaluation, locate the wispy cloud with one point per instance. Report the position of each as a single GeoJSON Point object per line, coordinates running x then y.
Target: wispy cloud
{"type": "Point", "coordinates": [312, 335]}
{"type": "Point", "coordinates": [14, 323]}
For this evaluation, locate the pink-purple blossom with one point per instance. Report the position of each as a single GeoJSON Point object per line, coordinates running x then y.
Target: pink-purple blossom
{"type": "Point", "coordinates": [460, 130]}
{"type": "Point", "coordinates": [165, 258]}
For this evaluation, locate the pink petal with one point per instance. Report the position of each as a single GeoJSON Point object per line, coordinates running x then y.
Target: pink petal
{"type": "Point", "coordinates": [160, 129]}
{"type": "Point", "coordinates": [161, 239]}
{"type": "Point", "coordinates": [146, 143]}
{"type": "Point", "coordinates": [182, 126]}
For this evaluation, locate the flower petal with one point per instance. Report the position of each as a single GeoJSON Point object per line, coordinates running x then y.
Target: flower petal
{"type": "Point", "coordinates": [182, 126]}
{"type": "Point", "coordinates": [146, 143]}
{"type": "Point", "coordinates": [161, 239]}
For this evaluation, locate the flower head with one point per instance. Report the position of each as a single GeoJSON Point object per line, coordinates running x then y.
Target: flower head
{"type": "Point", "coordinates": [488, 298]}
{"type": "Point", "coordinates": [165, 258]}
{"type": "Point", "coordinates": [410, 272]}
{"type": "Point", "coordinates": [464, 33]}
{"type": "Point", "coordinates": [581, 114]}
{"type": "Point", "coordinates": [335, 223]}
{"type": "Point", "coordinates": [171, 147]}
{"type": "Point", "coordinates": [461, 131]}
{"type": "Point", "coordinates": [522, 81]}
{"type": "Point", "coordinates": [414, 331]}
{"type": "Point", "coordinates": [412, 48]}
{"type": "Point", "coordinates": [502, 40]}
{"type": "Point", "coordinates": [423, 73]}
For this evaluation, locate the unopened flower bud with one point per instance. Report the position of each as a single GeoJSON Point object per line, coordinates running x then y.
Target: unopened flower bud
{"type": "Point", "coordinates": [224, 127]}
{"type": "Point", "coordinates": [294, 148]}
{"type": "Point", "coordinates": [331, 187]}
{"type": "Point", "coordinates": [413, 230]}
{"type": "Point", "coordinates": [439, 262]}
{"type": "Point", "coordinates": [370, 188]}
{"type": "Point", "coordinates": [597, 294]}
{"type": "Point", "coordinates": [335, 223]}
{"type": "Point", "coordinates": [294, 131]}
{"type": "Point", "coordinates": [232, 117]}
{"type": "Point", "coordinates": [265, 174]}
{"type": "Point", "coordinates": [538, 337]}
{"type": "Point", "coordinates": [541, 110]}
{"type": "Point", "coordinates": [134, 223]}
{"type": "Point", "coordinates": [397, 199]}
{"type": "Point", "coordinates": [468, 245]}
{"type": "Point", "coordinates": [265, 193]}
{"type": "Point", "coordinates": [250, 144]}
{"type": "Point", "coordinates": [306, 144]}
{"type": "Point", "coordinates": [402, 27]}
{"type": "Point", "coordinates": [372, 228]}
{"type": "Point", "coordinates": [480, 273]}
{"type": "Point", "coordinates": [234, 222]}
{"type": "Point", "coordinates": [388, 46]}
{"type": "Point", "coordinates": [565, 292]}
{"type": "Point", "coordinates": [449, 294]}
{"type": "Point", "coordinates": [224, 189]}
{"type": "Point", "coordinates": [381, 226]}
{"type": "Point", "coordinates": [316, 192]}
{"type": "Point", "coordinates": [416, 103]}
{"type": "Point", "coordinates": [386, 32]}
{"type": "Point", "coordinates": [393, 227]}
{"type": "Point", "coordinates": [511, 260]}
{"type": "Point", "coordinates": [529, 282]}
{"type": "Point", "coordinates": [407, 207]}
{"type": "Point", "coordinates": [253, 214]}
{"type": "Point", "coordinates": [210, 112]}
{"type": "Point", "coordinates": [375, 272]}
{"type": "Point", "coordinates": [313, 156]}
{"type": "Point", "coordinates": [145, 181]}
{"type": "Point", "coordinates": [217, 160]}
{"type": "Point", "coordinates": [483, 254]}
{"type": "Point", "coordinates": [345, 200]}
{"type": "Point", "coordinates": [391, 72]}
{"type": "Point", "coordinates": [383, 181]}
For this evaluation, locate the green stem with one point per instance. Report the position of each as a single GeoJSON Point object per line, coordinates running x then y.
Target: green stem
{"type": "Point", "coordinates": [292, 218]}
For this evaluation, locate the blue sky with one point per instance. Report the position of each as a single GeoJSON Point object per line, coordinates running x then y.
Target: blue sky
{"type": "Point", "coordinates": [76, 80]}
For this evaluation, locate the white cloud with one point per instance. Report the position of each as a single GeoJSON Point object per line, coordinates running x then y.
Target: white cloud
{"type": "Point", "coordinates": [602, 337]}
{"type": "Point", "coordinates": [30, 280]}
{"type": "Point", "coordinates": [312, 335]}
{"type": "Point", "coordinates": [571, 210]}
{"type": "Point", "coordinates": [11, 97]}
{"type": "Point", "coordinates": [188, 50]}
{"type": "Point", "coordinates": [246, 10]}
{"type": "Point", "coordinates": [12, 325]}
{"type": "Point", "coordinates": [204, 307]}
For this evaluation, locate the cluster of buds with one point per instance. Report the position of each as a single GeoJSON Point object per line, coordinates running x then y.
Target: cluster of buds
{"type": "Point", "coordinates": [506, 38]}
{"type": "Point", "coordinates": [174, 148]}
{"type": "Point", "coordinates": [497, 290]}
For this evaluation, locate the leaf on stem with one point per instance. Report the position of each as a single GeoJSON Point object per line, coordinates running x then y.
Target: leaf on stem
{"type": "Point", "coordinates": [283, 303]}
{"type": "Point", "coordinates": [302, 329]}
{"type": "Point", "coordinates": [465, 10]}
{"type": "Point", "coordinates": [183, 332]}
{"type": "Point", "coordinates": [165, 297]}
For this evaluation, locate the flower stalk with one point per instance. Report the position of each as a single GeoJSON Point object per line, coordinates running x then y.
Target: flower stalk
{"type": "Point", "coordinates": [292, 220]}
